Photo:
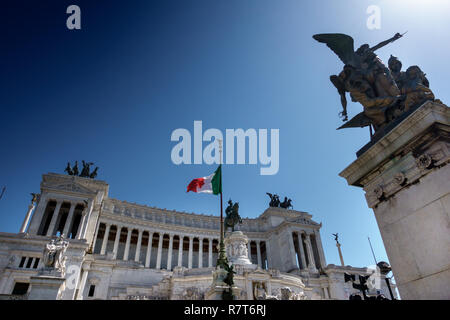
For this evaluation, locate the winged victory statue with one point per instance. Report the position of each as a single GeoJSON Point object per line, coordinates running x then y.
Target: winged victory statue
{"type": "Point", "coordinates": [371, 83]}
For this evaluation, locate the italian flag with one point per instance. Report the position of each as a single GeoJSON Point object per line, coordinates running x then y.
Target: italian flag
{"type": "Point", "coordinates": [210, 184]}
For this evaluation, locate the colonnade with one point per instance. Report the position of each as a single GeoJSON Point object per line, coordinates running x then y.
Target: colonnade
{"type": "Point", "coordinates": [67, 217]}
{"type": "Point", "coordinates": [145, 255]}
{"type": "Point", "coordinates": [304, 252]}
{"type": "Point", "coordinates": [175, 247]}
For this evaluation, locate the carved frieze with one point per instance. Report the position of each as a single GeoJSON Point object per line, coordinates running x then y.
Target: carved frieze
{"type": "Point", "coordinates": [424, 161]}
{"type": "Point", "coordinates": [400, 178]}
{"type": "Point", "coordinates": [378, 192]}
{"type": "Point", "coordinates": [407, 171]}
{"type": "Point", "coordinates": [70, 187]}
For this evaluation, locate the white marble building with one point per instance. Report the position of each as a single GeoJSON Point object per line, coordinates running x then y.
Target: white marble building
{"type": "Point", "coordinates": [121, 250]}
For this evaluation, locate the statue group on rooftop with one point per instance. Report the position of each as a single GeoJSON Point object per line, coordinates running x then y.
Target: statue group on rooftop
{"type": "Point", "coordinates": [85, 172]}
{"type": "Point", "coordinates": [275, 201]}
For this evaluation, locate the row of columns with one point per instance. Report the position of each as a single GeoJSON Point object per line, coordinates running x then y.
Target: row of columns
{"type": "Point", "coordinates": [170, 249]}
{"type": "Point", "coordinates": [160, 243]}
{"type": "Point", "coordinates": [29, 263]}
{"type": "Point", "coordinates": [56, 214]}
{"type": "Point", "coordinates": [258, 251]}
{"type": "Point", "coordinates": [309, 251]}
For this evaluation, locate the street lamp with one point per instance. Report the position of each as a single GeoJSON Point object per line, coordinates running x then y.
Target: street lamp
{"type": "Point", "coordinates": [385, 268]}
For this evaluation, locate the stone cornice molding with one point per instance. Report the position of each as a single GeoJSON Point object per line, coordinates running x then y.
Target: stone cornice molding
{"type": "Point", "coordinates": [291, 228]}
{"type": "Point", "coordinates": [284, 213]}
{"type": "Point", "coordinates": [34, 240]}
{"type": "Point", "coordinates": [76, 186]}
{"type": "Point", "coordinates": [133, 209]}
{"type": "Point", "coordinates": [136, 223]}
{"type": "Point", "coordinates": [133, 223]}
{"type": "Point", "coordinates": [93, 184]}
{"type": "Point", "coordinates": [424, 117]}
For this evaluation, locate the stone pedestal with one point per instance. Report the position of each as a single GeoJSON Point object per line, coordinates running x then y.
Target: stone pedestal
{"type": "Point", "coordinates": [236, 247]}
{"type": "Point", "coordinates": [218, 286]}
{"type": "Point", "coordinates": [406, 179]}
{"type": "Point", "coordinates": [46, 288]}
{"type": "Point", "coordinates": [237, 256]}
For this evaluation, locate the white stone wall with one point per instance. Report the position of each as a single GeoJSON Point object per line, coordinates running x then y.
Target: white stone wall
{"type": "Point", "coordinates": [116, 278]}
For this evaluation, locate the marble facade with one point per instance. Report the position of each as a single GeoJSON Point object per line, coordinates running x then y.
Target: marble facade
{"type": "Point", "coordinates": [122, 250]}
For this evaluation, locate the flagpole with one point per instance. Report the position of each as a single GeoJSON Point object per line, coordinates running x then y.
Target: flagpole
{"type": "Point", "coordinates": [372, 251]}
{"type": "Point", "coordinates": [221, 201]}
{"type": "Point", "coordinates": [221, 217]}
{"type": "Point", "coordinates": [222, 258]}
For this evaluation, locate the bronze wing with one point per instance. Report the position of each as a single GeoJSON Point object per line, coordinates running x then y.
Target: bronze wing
{"type": "Point", "coordinates": [341, 44]}
{"type": "Point", "coordinates": [358, 121]}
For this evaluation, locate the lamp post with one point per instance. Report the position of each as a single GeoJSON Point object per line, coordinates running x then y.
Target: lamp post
{"type": "Point", "coordinates": [385, 268]}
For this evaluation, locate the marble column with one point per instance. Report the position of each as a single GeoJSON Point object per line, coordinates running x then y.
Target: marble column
{"type": "Point", "coordinates": [116, 242]}
{"type": "Point", "coordinates": [249, 250]}
{"type": "Point", "coordinates": [268, 255]}
{"type": "Point", "coordinates": [325, 292]}
{"type": "Point", "coordinates": [169, 254]}
{"type": "Point", "coordinates": [158, 258]}
{"type": "Point", "coordinates": [26, 262]}
{"type": "Point", "coordinates": [27, 218]}
{"type": "Point", "coordinates": [95, 237]}
{"type": "Point", "coordinates": [82, 283]}
{"type": "Point", "coordinates": [127, 244]}
{"type": "Point", "coordinates": [83, 220]}
{"type": "Point", "coordinates": [69, 219]}
{"type": "Point", "coordinates": [51, 227]}
{"type": "Point", "coordinates": [105, 239]}
{"type": "Point", "coordinates": [292, 249]}
{"type": "Point", "coordinates": [210, 253]}
{"type": "Point", "coordinates": [322, 262]}
{"type": "Point", "coordinates": [88, 214]}
{"type": "Point", "coordinates": [36, 219]}
{"type": "Point", "coordinates": [258, 253]}
{"type": "Point", "coordinates": [137, 255]}
{"type": "Point", "coordinates": [301, 251]}
{"type": "Point", "coordinates": [200, 252]}
{"type": "Point", "coordinates": [149, 250]}
{"type": "Point", "coordinates": [180, 251]}
{"type": "Point", "coordinates": [312, 265]}
{"type": "Point", "coordinates": [191, 242]}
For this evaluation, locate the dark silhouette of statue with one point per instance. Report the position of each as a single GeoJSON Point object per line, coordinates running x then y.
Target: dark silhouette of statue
{"type": "Point", "coordinates": [385, 93]}
{"type": "Point", "coordinates": [286, 204]}
{"type": "Point", "coordinates": [336, 237]}
{"type": "Point", "coordinates": [229, 280]}
{"type": "Point", "coordinates": [86, 169]}
{"type": "Point", "coordinates": [34, 197]}
{"type": "Point", "coordinates": [274, 200]}
{"type": "Point", "coordinates": [75, 169]}
{"type": "Point", "coordinates": [68, 169]}
{"type": "Point", "coordinates": [85, 172]}
{"type": "Point", "coordinates": [94, 173]}
{"type": "Point", "coordinates": [232, 215]}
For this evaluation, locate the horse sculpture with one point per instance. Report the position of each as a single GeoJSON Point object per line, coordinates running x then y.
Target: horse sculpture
{"type": "Point", "coordinates": [286, 204]}
{"type": "Point", "coordinates": [232, 215]}
{"type": "Point", "coordinates": [85, 172]}
{"type": "Point", "coordinates": [275, 201]}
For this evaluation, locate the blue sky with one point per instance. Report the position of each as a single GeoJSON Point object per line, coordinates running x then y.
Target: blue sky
{"type": "Point", "coordinates": [113, 92]}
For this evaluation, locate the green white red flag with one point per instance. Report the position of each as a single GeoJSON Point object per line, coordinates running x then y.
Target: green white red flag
{"type": "Point", "coordinates": [210, 184]}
